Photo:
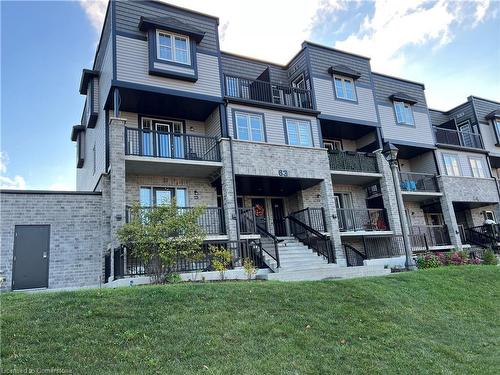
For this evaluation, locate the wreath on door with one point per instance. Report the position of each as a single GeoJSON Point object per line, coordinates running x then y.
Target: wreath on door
{"type": "Point", "coordinates": [259, 210]}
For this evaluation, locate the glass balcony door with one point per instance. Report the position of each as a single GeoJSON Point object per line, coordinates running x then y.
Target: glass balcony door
{"type": "Point", "coordinates": [163, 138]}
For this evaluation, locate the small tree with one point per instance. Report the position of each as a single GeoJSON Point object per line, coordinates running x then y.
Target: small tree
{"type": "Point", "coordinates": [161, 235]}
{"type": "Point", "coordinates": [221, 259]}
{"type": "Point", "coordinates": [249, 268]}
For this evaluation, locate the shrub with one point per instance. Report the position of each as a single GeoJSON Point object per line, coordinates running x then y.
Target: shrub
{"type": "Point", "coordinates": [490, 258]}
{"type": "Point", "coordinates": [428, 261]}
{"type": "Point", "coordinates": [221, 259]}
{"type": "Point", "coordinates": [249, 268]}
{"type": "Point", "coordinates": [459, 258]}
{"type": "Point", "coordinates": [173, 278]}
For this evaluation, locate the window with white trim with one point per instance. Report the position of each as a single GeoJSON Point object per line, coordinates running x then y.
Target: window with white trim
{"type": "Point", "coordinates": [477, 167]}
{"type": "Point", "coordinates": [344, 88]}
{"type": "Point", "coordinates": [249, 126]}
{"type": "Point", "coordinates": [156, 196]}
{"type": "Point", "coordinates": [172, 47]}
{"type": "Point", "coordinates": [452, 165]}
{"type": "Point", "coordinates": [404, 113]}
{"type": "Point", "coordinates": [299, 132]}
{"type": "Point", "coordinates": [333, 144]}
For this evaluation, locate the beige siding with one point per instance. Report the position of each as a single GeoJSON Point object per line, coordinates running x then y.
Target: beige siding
{"type": "Point", "coordinates": [364, 109]}
{"type": "Point", "coordinates": [463, 158]}
{"type": "Point", "coordinates": [132, 66]}
{"type": "Point", "coordinates": [489, 138]}
{"type": "Point", "coordinates": [275, 131]}
{"type": "Point", "coordinates": [420, 133]}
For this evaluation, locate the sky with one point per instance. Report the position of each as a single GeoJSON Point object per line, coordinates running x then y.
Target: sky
{"type": "Point", "coordinates": [451, 46]}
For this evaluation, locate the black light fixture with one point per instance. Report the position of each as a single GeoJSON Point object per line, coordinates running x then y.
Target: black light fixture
{"type": "Point", "coordinates": [390, 152]}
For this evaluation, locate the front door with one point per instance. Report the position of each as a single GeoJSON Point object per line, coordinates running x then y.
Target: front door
{"type": "Point", "coordinates": [278, 217]}
{"type": "Point", "coordinates": [259, 207]}
{"type": "Point", "coordinates": [31, 257]}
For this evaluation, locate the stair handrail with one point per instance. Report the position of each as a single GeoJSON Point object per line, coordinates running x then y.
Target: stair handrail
{"type": "Point", "coordinates": [263, 232]}
{"type": "Point", "coordinates": [311, 231]}
{"type": "Point", "coordinates": [489, 240]}
{"type": "Point", "coordinates": [354, 250]}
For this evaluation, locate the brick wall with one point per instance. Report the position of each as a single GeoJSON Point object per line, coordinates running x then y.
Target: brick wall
{"type": "Point", "coordinates": [76, 245]}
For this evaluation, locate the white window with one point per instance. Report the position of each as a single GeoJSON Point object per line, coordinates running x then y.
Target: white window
{"type": "Point", "coordinates": [333, 144]}
{"type": "Point", "coordinates": [404, 113]}
{"type": "Point", "coordinates": [299, 132]}
{"type": "Point", "coordinates": [344, 88]}
{"type": "Point", "coordinates": [477, 166]}
{"type": "Point", "coordinates": [249, 127]}
{"type": "Point", "coordinates": [497, 127]}
{"type": "Point", "coordinates": [172, 47]}
{"type": "Point", "coordinates": [489, 215]}
{"type": "Point", "coordinates": [451, 165]}
{"type": "Point", "coordinates": [156, 196]}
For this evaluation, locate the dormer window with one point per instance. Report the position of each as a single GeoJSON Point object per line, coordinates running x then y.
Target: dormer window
{"type": "Point", "coordinates": [404, 113]}
{"type": "Point", "coordinates": [344, 88]}
{"type": "Point", "coordinates": [173, 47]}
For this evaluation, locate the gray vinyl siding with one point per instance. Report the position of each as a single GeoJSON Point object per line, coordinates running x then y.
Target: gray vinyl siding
{"type": "Point", "coordinates": [273, 123]}
{"type": "Point", "coordinates": [386, 86]}
{"type": "Point", "coordinates": [86, 179]}
{"type": "Point", "coordinates": [240, 67]}
{"type": "Point", "coordinates": [298, 65]}
{"type": "Point", "coordinates": [420, 133]}
{"type": "Point", "coordinates": [462, 113]}
{"type": "Point", "coordinates": [423, 163]}
{"type": "Point", "coordinates": [132, 66]}
{"type": "Point", "coordinates": [489, 138]}
{"type": "Point", "coordinates": [128, 14]}
{"type": "Point", "coordinates": [278, 74]}
{"type": "Point", "coordinates": [463, 158]}
{"type": "Point", "coordinates": [95, 94]}
{"type": "Point", "coordinates": [213, 125]}
{"type": "Point", "coordinates": [328, 104]}
{"type": "Point", "coordinates": [323, 58]}
{"type": "Point", "coordinates": [484, 108]}
{"type": "Point", "coordinates": [438, 117]}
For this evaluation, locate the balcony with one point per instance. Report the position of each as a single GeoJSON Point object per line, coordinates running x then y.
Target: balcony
{"type": "Point", "coordinates": [458, 138]}
{"type": "Point", "coordinates": [211, 220]}
{"type": "Point", "coordinates": [353, 161]}
{"type": "Point", "coordinates": [254, 90]}
{"type": "Point", "coordinates": [423, 184]}
{"type": "Point", "coordinates": [435, 235]}
{"type": "Point", "coordinates": [362, 220]}
{"type": "Point", "coordinates": [140, 142]}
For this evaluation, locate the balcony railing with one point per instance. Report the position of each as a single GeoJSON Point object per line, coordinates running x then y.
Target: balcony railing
{"type": "Point", "coordinates": [211, 219]}
{"type": "Point", "coordinates": [458, 138]}
{"type": "Point", "coordinates": [422, 182]}
{"type": "Point", "coordinates": [353, 161]}
{"type": "Point", "coordinates": [143, 142]}
{"type": "Point", "coordinates": [267, 92]}
{"type": "Point", "coordinates": [312, 217]}
{"type": "Point", "coordinates": [436, 235]}
{"type": "Point", "coordinates": [370, 219]}
{"type": "Point", "coordinates": [247, 221]}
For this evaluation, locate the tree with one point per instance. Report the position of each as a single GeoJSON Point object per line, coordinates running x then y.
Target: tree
{"type": "Point", "coordinates": [159, 236]}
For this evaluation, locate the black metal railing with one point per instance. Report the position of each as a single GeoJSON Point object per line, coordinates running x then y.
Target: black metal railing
{"type": "Point", "coordinates": [377, 247]}
{"type": "Point", "coordinates": [246, 221]}
{"type": "Point", "coordinates": [267, 92]}
{"type": "Point", "coordinates": [486, 236]}
{"type": "Point", "coordinates": [143, 142]}
{"type": "Point", "coordinates": [127, 264]}
{"type": "Point", "coordinates": [353, 256]}
{"type": "Point", "coordinates": [211, 219]}
{"type": "Point", "coordinates": [353, 161]}
{"type": "Point", "coordinates": [317, 241]}
{"type": "Point", "coordinates": [458, 138]}
{"type": "Point", "coordinates": [370, 219]}
{"type": "Point", "coordinates": [423, 182]}
{"type": "Point", "coordinates": [270, 244]}
{"type": "Point", "coordinates": [436, 235]}
{"type": "Point", "coordinates": [313, 217]}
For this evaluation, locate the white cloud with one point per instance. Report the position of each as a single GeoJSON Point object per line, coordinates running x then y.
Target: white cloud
{"type": "Point", "coordinates": [16, 182]}
{"type": "Point", "coordinates": [95, 10]}
{"type": "Point", "coordinates": [397, 24]}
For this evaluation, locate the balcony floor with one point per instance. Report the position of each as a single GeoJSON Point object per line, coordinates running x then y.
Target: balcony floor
{"type": "Point", "coordinates": [354, 178]}
{"type": "Point", "coordinates": [146, 165]}
{"type": "Point", "coordinates": [420, 196]}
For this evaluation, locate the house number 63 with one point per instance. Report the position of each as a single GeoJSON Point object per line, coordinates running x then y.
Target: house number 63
{"type": "Point", "coordinates": [283, 173]}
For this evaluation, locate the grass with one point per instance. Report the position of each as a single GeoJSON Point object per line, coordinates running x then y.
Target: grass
{"type": "Point", "coordinates": [439, 321]}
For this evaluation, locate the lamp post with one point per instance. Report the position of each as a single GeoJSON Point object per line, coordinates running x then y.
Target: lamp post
{"type": "Point", "coordinates": [390, 153]}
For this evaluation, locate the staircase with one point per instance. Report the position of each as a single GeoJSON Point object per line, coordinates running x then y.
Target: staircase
{"type": "Point", "coordinates": [298, 262]}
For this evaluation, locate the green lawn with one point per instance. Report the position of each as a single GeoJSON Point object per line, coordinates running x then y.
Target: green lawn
{"type": "Point", "coordinates": [443, 321]}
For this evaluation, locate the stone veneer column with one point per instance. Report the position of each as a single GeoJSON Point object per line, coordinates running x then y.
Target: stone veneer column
{"type": "Point", "coordinates": [117, 178]}
{"type": "Point", "coordinates": [388, 194]}
{"type": "Point", "coordinates": [332, 224]}
{"type": "Point", "coordinates": [449, 216]}
{"type": "Point", "coordinates": [228, 193]}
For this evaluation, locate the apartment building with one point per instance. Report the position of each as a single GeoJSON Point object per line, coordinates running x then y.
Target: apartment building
{"type": "Point", "coordinates": [287, 159]}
